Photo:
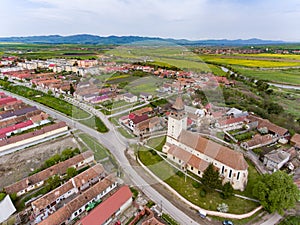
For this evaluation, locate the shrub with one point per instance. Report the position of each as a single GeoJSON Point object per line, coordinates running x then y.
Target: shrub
{"type": "Point", "coordinates": [223, 208]}
{"type": "Point", "coordinates": [196, 184]}
{"type": "Point", "coordinates": [203, 193]}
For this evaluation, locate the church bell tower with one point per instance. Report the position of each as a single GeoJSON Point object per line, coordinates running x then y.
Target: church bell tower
{"type": "Point", "coordinates": [177, 120]}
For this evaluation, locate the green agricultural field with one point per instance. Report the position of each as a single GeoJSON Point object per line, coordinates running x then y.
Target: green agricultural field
{"type": "Point", "coordinates": [270, 55]}
{"type": "Point", "coordinates": [284, 76]}
{"type": "Point", "coordinates": [172, 56]}
{"type": "Point", "coordinates": [145, 84]}
{"type": "Point", "coordinates": [263, 63]}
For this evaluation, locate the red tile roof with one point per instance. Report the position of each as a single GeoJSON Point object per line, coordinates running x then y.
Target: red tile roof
{"type": "Point", "coordinates": [22, 137]}
{"type": "Point", "coordinates": [296, 140]}
{"type": "Point", "coordinates": [15, 127]}
{"type": "Point", "coordinates": [65, 212]}
{"type": "Point", "coordinates": [214, 150]}
{"type": "Point", "coordinates": [107, 208]}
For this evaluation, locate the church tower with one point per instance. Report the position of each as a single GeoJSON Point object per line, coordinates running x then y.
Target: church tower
{"type": "Point", "coordinates": [177, 120]}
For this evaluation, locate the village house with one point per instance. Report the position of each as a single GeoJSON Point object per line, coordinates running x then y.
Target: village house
{"type": "Point", "coordinates": [258, 141]}
{"type": "Point", "coordinates": [37, 180]}
{"type": "Point", "coordinates": [194, 153]}
{"type": "Point", "coordinates": [27, 139]}
{"type": "Point", "coordinates": [48, 204]}
{"type": "Point", "coordinates": [295, 140]}
{"type": "Point", "coordinates": [281, 133]}
{"type": "Point", "coordinates": [113, 206]}
{"type": "Point", "coordinates": [231, 123]}
{"type": "Point", "coordinates": [147, 126]}
{"type": "Point", "coordinates": [276, 159]}
{"type": "Point", "coordinates": [77, 206]}
{"type": "Point", "coordinates": [130, 98]}
{"type": "Point", "coordinates": [145, 96]}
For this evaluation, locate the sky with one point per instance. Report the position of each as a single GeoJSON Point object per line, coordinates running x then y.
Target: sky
{"type": "Point", "coordinates": [180, 19]}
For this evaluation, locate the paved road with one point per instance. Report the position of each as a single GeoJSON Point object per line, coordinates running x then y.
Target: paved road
{"type": "Point", "coordinates": [117, 144]}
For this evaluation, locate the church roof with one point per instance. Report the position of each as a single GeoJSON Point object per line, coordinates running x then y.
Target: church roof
{"type": "Point", "coordinates": [178, 105]}
{"type": "Point", "coordinates": [214, 150]}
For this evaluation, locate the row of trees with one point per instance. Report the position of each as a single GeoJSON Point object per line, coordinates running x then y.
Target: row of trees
{"type": "Point", "coordinates": [65, 154]}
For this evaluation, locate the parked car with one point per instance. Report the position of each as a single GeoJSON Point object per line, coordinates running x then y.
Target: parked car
{"type": "Point", "coordinates": [227, 222]}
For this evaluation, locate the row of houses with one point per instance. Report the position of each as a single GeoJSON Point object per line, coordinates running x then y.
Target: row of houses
{"type": "Point", "coordinates": [267, 134]}
{"type": "Point", "coordinates": [22, 124]}
{"type": "Point", "coordinates": [51, 202]}
{"type": "Point", "coordinates": [37, 180]}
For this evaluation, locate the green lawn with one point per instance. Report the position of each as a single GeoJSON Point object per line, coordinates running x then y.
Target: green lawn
{"type": "Point", "coordinates": [125, 133]}
{"type": "Point", "coordinates": [157, 143]}
{"type": "Point", "coordinates": [100, 152]}
{"type": "Point", "coordinates": [177, 180]}
{"type": "Point", "coordinates": [253, 177]}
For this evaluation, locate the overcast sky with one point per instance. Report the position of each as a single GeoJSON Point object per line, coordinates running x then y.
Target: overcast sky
{"type": "Point", "coordinates": [189, 19]}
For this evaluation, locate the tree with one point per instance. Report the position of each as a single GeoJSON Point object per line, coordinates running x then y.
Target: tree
{"type": "Point", "coordinates": [52, 182]}
{"type": "Point", "coordinates": [276, 192]}
{"type": "Point", "coordinates": [72, 89]}
{"type": "Point", "coordinates": [211, 177]}
{"type": "Point", "coordinates": [2, 196]}
{"type": "Point", "coordinates": [227, 190]}
{"type": "Point", "coordinates": [71, 172]}
{"type": "Point", "coordinates": [66, 154]}
{"type": "Point", "coordinates": [49, 92]}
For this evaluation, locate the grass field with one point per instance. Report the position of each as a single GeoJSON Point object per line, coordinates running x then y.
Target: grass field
{"type": "Point", "coordinates": [186, 188]}
{"type": "Point", "coordinates": [145, 84]}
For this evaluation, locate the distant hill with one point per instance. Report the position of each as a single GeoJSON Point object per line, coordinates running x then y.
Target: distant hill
{"type": "Point", "coordinates": [118, 40]}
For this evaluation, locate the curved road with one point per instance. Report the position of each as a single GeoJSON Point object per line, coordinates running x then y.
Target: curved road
{"type": "Point", "coordinates": [117, 145]}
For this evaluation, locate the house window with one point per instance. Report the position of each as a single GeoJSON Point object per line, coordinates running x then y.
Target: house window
{"type": "Point", "coordinates": [223, 169]}
{"type": "Point", "coordinates": [173, 157]}
{"type": "Point", "coordinates": [80, 210]}
{"type": "Point", "coordinates": [179, 161]}
{"type": "Point", "coordinates": [238, 176]}
{"type": "Point", "coordinates": [199, 172]}
{"type": "Point", "coordinates": [192, 168]}
{"type": "Point", "coordinates": [75, 214]}
{"type": "Point", "coordinates": [230, 172]}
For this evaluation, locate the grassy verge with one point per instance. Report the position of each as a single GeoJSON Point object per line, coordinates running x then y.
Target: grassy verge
{"type": "Point", "coordinates": [169, 219]}
{"type": "Point", "coordinates": [124, 133]}
{"type": "Point", "coordinates": [184, 186]}
{"type": "Point", "coordinates": [100, 152]}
